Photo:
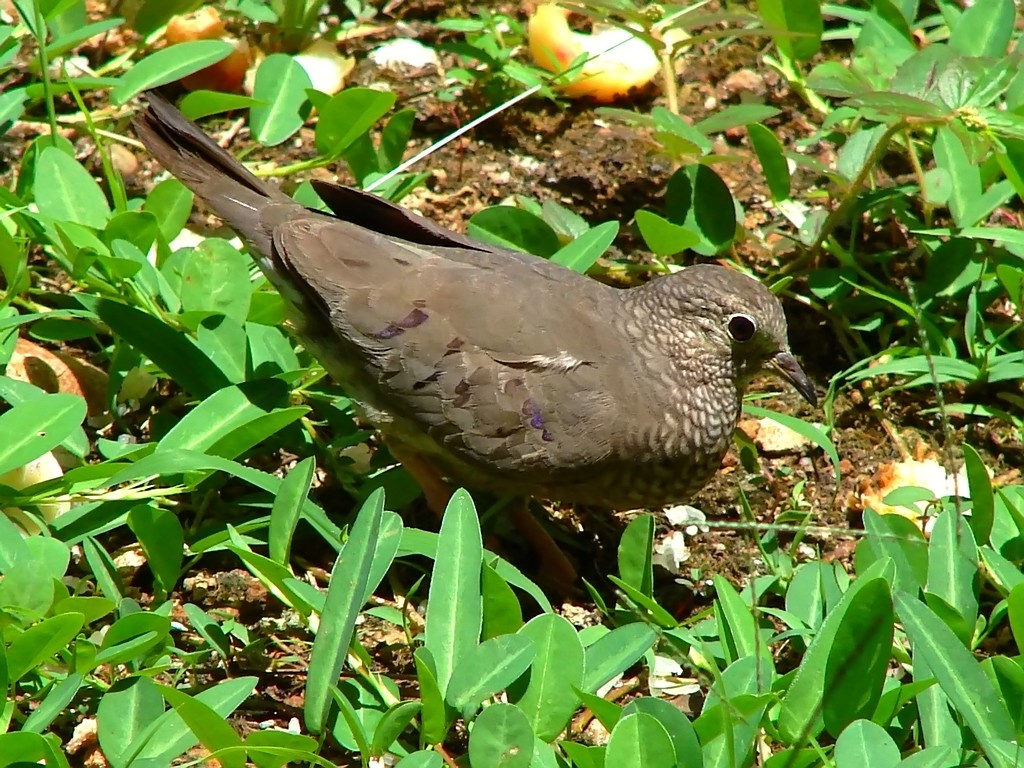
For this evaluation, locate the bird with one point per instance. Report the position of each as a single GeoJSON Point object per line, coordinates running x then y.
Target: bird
{"type": "Point", "coordinates": [489, 368]}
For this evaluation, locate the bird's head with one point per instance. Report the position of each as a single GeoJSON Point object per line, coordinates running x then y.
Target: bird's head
{"type": "Point", "coordinates": [726, 316]}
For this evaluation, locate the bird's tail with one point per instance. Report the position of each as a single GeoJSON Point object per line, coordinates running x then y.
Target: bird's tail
{"type": "Point", "coordinates": [227, 187]}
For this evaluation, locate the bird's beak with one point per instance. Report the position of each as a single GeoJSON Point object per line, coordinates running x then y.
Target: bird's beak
{"type": "Point", "coordinates": [786, 366]}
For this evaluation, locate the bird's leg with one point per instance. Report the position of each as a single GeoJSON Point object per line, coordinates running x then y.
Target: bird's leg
{"type": "Point", "coordinates": [435, 490]}
{"type": "Point", "coordinates": [555, 567]}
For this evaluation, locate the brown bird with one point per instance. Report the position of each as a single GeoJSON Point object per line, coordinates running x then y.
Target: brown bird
{"type": "Point", "coordinates": [491, 368]}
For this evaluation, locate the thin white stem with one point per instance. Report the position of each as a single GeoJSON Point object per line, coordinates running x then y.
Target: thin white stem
{"type": "Point", "coordinates": [451, 137]}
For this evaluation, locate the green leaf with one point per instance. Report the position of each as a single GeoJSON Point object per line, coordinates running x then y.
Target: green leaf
{"type": "Point", "coordinates": [12, 107]}
{"type": "Point", "coordinates": [65, 191]}
{"type": "Point", "coordinates": [864, 744]}
{"type": "Point", "coordinates": [606, 712]}
{"type": "Point", "coordinates": [548, 700]}
{"type": "Point", "coordinates": [168, 65]}
{"type": "Point", "coordinates": [277, 578]}
{"type": "Point", "coordinates": [174, 352]}
{"type": "Point", "coordinates": [455, 615]}
{"type": "Point", "coordinates": [773, 160]}
{"type": "Point", "coordinates": [152, 15]}
{"type": "Point", "coordinates": [583, 756]}
{"type": "Point", "coordinates": [964, 174]}
{"type": "Point", "coordinates": [568, 224]}
{"type": "Point", "coordinates": [124, 714]}
{"type": "Point", "coordinates": [169, 736]}
{"type": "Point", "coordinates": [813, 591]}
{"type": "Point", "coordinates": [697, 198]}
{"type": "Point", "coordinates": [173, 462]}
{"type": "Point", "coordinates": [437, 716]}
{"type": "Point", "coordinates": [253, 432]}
{"type": "Point", "coordinates": [983, 500]}
{"type": "Point", "coordinates": [502, 613]}
{"type": "Point", "coordinates": [349, 580]}
{"type": "Point", "coordinates": [214, 732]}
{"type": "Point", "coordinates": [488, 668]}
{"type": "Point", "coordinates": [898, 539]}
{"type": "Point", "coordinates": [795, 25]}
{"type": "Point", "coordinates": [932, 757]}
{"type": "Point", "coordinates": [614, 653]}
{"type": "Point", "coordinates": [270, 352]}
{"type": "Point", "coordinates": [223, 341]}
{"type": "Point", "coordinates": [391, 726]}
{"type": "Point", "coordinates": [222, 413]}
{"type": "Point", "coordinates": [514, 228]}
{"type": "Point", "coordinates": [287, 509]}
{"type": "Point", "coordinates": [662, 236]}
{"type": "Point", "coordinates": [214, 277]}
{"type": "Point", "coordinates": [501, 738]}
{"type": "Point", "coordinates": [640, 741]}
{"type": "Point", "coordinates": [132, 636]}
{"type": "Point", "coordinates": [960, 676]}
{"type": "Point", "coordinates": [54, 704]}
{"type": "Point", "coordinates": [424, 758]}
{"type": "Point", "coordinates": [811, 432]}
{"type": "Point", "coordinates": [885, 38]}
{"type": "Point", "coordinates": [23, 749]}
{"type": "Point", "coordinates": [679, 729]}
{"type": "Point", "coordinates": [838, 658]}
{"type": "Point", "coordinates": [38, 643]}
{"type": "Point", "coordinates": [33, 427]}
{"type": "Point", "coordinates": [280, 87]}
{"type": "Point", "coordinates": [394, 138]}
{"type": "Point", "coordinates": [1008, 676]}
{"type": "Point", "coordinates": [202, 103]}
{"type": "Point", "coordinates": [736, 116]}
{"type": "Point", "coordinates": [728, 731]}
{"type": "Point", "coordinates": [984, 29]}
{"type": "Point", "coordinates": [583, 252]}
{"type": "Point", "coordinates": [162, 540]}
{"type": "Point", "coordinates": [953, 568]}
{"type": "Point", "coordinates": [859, 656]}
{"type": "Point", "coordinates": [208, 629]}
{"type": "Point", "coordinates": [657, 614]}
{"type": "Point", "coordinates": [680, 137]}
{"type": "Point", "coordinates": [91, 607]}
{"type": "Point", "coordinates": [1015, 604]}
{"type": "Point", "coordinates": [635, 554]}
{"type": "Point", "coordinates": [279, 749]}
{"type": "Point", "coordinates": [349, 115]}
{"type": "Point", "coordinates": [736, 624]}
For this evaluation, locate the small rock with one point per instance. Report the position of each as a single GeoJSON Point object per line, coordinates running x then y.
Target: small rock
{"type": "Point", "coordinates": [774, 439]}
{"type": "Point", "coordinates": [128, 561]}
{"type": "Point", "coordinates": [404, 53]}
{"type": "Point", "coordinates": [124, 160]}
{"type": "Point", "coordinates": [71, 66]}
{"type": "Point", "coordinates": [596, 733]}
{"type": "Point", "coordinates": [744, 81]}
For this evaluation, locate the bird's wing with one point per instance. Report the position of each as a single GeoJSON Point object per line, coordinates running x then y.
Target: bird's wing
{"type": "Point", "coordinates": [499, 358]}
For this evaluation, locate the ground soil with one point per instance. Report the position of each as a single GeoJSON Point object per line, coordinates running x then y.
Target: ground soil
{"type": "Point", "coordinates": [603, 171]}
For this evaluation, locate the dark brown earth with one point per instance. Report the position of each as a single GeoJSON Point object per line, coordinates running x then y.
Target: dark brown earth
{"type": "Point", "coordinates": [603, 170]}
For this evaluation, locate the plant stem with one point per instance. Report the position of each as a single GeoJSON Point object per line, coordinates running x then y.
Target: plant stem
{"type": "Point", "coordinates": [853, 190]}
{"type": "Point", "coordinates": [668, 80]}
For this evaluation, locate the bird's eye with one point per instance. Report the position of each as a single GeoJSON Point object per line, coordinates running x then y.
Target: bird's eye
{"type": "Point", "coordinates": [742, 327]}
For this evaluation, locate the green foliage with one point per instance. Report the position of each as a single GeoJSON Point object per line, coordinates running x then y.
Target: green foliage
{"type": "Point", "coordinates": [919, 278]}
{"type": "Point", "coordinates": [486, 52]}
